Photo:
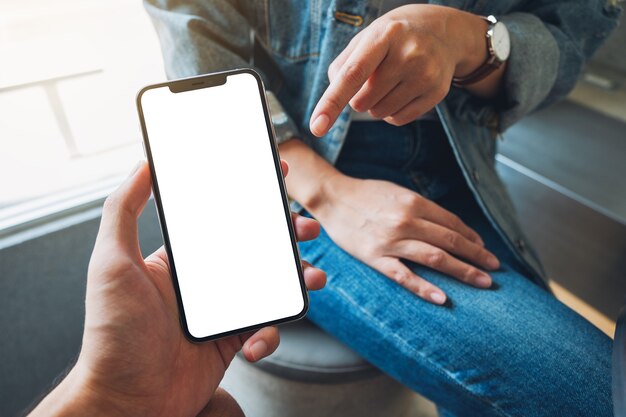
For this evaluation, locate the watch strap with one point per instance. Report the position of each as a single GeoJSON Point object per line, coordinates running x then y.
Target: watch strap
{"type": "Point", "coordinates": [480, 74]}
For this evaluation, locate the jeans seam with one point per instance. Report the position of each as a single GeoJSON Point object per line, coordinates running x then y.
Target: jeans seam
{"type": "Point", "coordinates": [434, 364]}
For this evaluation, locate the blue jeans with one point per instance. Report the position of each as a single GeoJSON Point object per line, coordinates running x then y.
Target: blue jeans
{"type": "Point", "coordinates": [513, 350]}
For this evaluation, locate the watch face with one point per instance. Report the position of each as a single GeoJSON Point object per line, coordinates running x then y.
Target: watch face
{"type": "Point", "coordinates": [500, 41]}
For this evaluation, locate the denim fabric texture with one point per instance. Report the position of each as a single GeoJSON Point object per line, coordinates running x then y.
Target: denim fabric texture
{"type": "Point", "coordinates": [513, 350]}
{"type": "Point", "coordinates": [550, 42]}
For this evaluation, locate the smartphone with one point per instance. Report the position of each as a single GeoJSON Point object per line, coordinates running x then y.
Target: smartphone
{"type": "Point", "coordinates": [222, 205]}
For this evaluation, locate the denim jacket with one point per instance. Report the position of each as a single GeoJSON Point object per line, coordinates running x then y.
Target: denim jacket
{"type": "Point", "coordinates": [292, 42]}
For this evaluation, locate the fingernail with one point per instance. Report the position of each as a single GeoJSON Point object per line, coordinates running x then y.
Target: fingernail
{"type": "Point", "coordinates": [483, 280]}
{"type": "Point", "coordinates": [437, 298]}
{"type": "Point", "coordinates": [493, 262]}
{"type": "Point", "coordinates": [320, 124]}
{"type": "Point", "coordinates": [258, 349]}
{"type": "Point", "coordinates": [136, 168]}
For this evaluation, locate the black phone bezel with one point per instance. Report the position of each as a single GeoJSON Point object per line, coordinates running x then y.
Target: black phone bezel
{"type": "Point", "coordinates": [208, 81]}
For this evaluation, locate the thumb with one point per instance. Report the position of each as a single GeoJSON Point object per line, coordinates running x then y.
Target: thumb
{"type": "Point", "coordinates": [121, 210]}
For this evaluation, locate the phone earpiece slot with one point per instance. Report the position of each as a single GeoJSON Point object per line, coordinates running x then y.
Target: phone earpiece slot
{"type": "Point", "coordinates": [197, 83]}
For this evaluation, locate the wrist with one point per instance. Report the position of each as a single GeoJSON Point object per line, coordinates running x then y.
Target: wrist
{"type": "Point", "coordinates": [75, 396]}
{"type": "Point", "coordinates": [310, 178]}
{"type": "Point", "coordinates": [470, 40]}
{"type": "Point", "coordinates": [323, 194]}
{"type": "Point", "coordinates": [70, 398]}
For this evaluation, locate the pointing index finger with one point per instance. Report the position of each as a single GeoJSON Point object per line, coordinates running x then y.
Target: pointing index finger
{"type": "Point", "coordinates": [348, 81]}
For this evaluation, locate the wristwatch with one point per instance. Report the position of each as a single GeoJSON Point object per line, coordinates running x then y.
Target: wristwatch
{"type": "Point", "coordinates": [499, 48]}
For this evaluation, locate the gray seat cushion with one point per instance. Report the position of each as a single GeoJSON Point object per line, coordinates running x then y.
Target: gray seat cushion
{"type": "Point", "coordinates": [308, 354]}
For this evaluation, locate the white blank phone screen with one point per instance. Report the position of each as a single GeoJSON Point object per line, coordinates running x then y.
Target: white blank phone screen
{"type": "Point", "coordinates": [222, 205]}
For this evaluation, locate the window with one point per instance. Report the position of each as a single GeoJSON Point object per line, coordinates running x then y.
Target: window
{"type": "Point", "coordinates": [69, 129]}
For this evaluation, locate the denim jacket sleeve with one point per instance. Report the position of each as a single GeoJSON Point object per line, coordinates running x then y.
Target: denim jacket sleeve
{"type": "Point", "coordinates": [550, 42]}
{"type": "Point", "coordinates": [200, 36]}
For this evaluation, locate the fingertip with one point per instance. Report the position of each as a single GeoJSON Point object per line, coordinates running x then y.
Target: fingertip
{"type": "Point", "coordinates": [136, 168]}
{"type": "Point", "coordinates": [284, 166]}
{"type": "Point", "coordinates": [261, 344]}
{"type": "Point", "coordinates": [140, 173]}
{"type": "Point", "coordinates": [483, 280]}
{"type": "Point", "coordinates": [492, 262]}
{"type": "Point", "coordinates": [314, 226]}
{"type": "Point", "coordinates": [314, 278]}
{"type": "Point", "coordinates": [127, 201]}
{"type": "Point", "coordinates": [247, 352]}
{"type": "Point", "coordinates": [141, 167]}
{"type": "Point", "coordinates": [306, 228]}
{"type": "Point", "coordinates": [437, 297]}
{"type": "Point", "coordinates": [319, 126]}
{"type": "Point", "coordinates": [357, 105]}
{"type": "Point", "coordinates": [258, 350]}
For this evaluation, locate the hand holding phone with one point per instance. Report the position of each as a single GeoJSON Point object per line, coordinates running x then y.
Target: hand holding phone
{"type": "Point", "coordinates": [193, 129]}
{"type": "Point", "coordinates": [134, 356]}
